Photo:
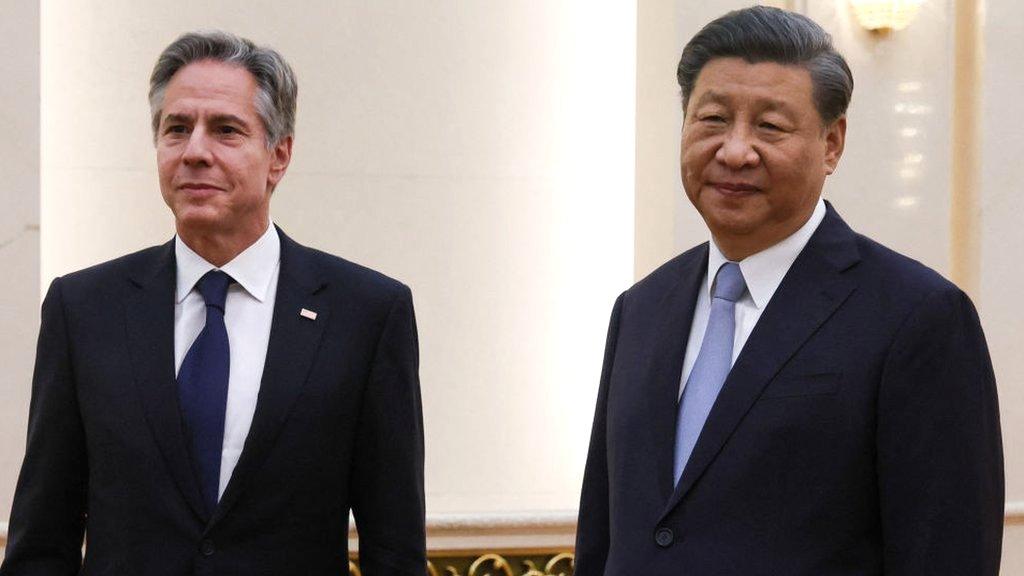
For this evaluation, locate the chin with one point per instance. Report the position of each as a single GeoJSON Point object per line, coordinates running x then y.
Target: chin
{"type": "Point", "coordinates": [731, 221]}
{"type": "Point", "coordinates": [194, 218]}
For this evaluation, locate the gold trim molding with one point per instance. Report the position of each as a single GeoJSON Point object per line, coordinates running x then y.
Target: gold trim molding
{"type": "Point", "coordinates": [494, 564]}
{"type": "Point", "coordinates": [518, 533]}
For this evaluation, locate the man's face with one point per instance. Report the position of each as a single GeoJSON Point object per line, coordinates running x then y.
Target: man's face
{"type": "Point", "coordinates": [755, 153]}
{"type": "Point", "coordinates": [216, 173]}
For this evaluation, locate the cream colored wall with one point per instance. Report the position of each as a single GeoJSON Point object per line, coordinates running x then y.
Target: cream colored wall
{"type": "Point", "coordinates": [484, 153]}
{"type": "Point", "coordinates": [893, 181]}
{"type": "Point", "coordinates": [481, 152]}
{"type": "Point", "coordinates": [1002, 238]}
{"type": "Point", "coordinates": [19, 230]}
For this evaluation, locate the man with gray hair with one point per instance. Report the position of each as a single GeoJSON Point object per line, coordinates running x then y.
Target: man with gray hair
{"type": "Point", "coordinates": [790, 398]}
{"type": "Point", "coordinates": [219, 404]}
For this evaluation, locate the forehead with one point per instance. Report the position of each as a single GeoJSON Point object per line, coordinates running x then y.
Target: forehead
{"type": "Point", "coordinates": [736, 81]}
{"type": "Point", "coordinates": [210, 84]}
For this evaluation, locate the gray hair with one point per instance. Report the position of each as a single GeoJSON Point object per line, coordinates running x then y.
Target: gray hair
{"type": "Point", "coordinates": [277, 90]}
{"type": "Point", "coordinates": [766, 34]}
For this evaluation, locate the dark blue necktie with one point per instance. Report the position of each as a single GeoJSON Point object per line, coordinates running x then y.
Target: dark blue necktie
{"type": "Point", "coordinates": [203, 386]}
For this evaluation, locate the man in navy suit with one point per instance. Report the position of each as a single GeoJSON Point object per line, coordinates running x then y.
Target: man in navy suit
{"type": "Point", "coordinates": [217, 405]}
{"type": "Point", "coordinates": [790, 398]}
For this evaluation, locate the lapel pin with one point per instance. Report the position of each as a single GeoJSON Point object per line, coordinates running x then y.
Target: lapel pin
{"type": "Point", "coordinates": [307, 314]}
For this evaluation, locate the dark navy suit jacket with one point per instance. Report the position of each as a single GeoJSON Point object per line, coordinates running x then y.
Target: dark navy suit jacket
{"type": "Point", "coordinates": [857, 433]}
{"type": "Point", "coordinates": [338, 426]}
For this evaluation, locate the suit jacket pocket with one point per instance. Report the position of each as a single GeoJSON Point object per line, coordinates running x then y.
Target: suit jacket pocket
{"type": "Point", "coordinates": [792, 386]}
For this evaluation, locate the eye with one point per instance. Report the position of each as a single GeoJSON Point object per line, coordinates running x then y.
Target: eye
{"type": "Point", "coordinates": [775, 126]}
{"type": "Point", "coordinates": [176, 129]}
{"type": "Point", "coordinates": [712, 119]}
{"type": "Point", "coordinates": [227, 129]}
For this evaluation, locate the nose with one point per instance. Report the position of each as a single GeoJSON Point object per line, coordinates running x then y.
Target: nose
{"type": "Point", "coordinates": [197, 149]}
{"type": "Point", "coordinates": [736, 151]}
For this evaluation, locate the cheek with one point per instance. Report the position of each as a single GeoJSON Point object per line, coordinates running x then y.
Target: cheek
{"type": "Point", "coordinates": [166, 162]}
{"type": "Point", "coordinates": [694, 156]}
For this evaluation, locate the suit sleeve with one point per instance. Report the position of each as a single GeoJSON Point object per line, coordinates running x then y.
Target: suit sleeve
{"type": "Point", "coordinates": [592, 529]}
{"type": "Point", "coordinates": [387, 485]}
{"type": "Point", "coordinates": [48, 515]}
{"type": "Point", "coordinates": [940, 457]}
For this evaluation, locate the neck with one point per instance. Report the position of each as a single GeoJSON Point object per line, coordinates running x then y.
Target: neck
{"type": "Point", "coordinates": [736, 247]}
{"type": "Point", "coordinates": [735, 250]}
{"type": "Point", "coordinates": [217, 247]}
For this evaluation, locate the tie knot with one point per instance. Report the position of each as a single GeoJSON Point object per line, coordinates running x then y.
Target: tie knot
{"type": "Point", "coordinates": [729, 284]}
{"type": "Point", "coordinates": [214, 288]}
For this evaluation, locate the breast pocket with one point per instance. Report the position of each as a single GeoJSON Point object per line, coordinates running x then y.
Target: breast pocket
{"type": "Point", "coordinates": [794, 386]}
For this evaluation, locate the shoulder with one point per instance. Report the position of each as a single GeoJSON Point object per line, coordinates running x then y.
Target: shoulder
{"type": "Point", "coordinates": [110, 278]}
{"type": "Point", "coordinates": [340, 279]}
{"type": "Point", "coordinates": [898, 281]}
{"type": "Point", "coordinates": [338, 270]}
{"type": "Point", "coordinates": [892, 282]}
{"type": "Point", "coordinates": [667, 277]}
{"type": "Point", "coordinates": [893, 294]}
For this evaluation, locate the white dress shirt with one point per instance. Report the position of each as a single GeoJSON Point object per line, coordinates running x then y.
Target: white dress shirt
{"type": "Point", "coordinates": [763, 272]}
{"type": "Point", "coordinates": [248, 312]}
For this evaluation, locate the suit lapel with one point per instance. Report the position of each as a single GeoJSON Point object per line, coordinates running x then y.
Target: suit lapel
{"type": "Point", "coordinates": [668, 349]}
{"type": "Point", "coordinates": [150, 325]}
{"type": "Point", "coordinates": [293, 344]}
{"type": "Point", "coordinates": [811, 292]}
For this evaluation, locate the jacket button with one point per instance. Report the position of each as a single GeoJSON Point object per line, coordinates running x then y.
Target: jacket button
{"type": "Point", "coordinates": [664, 537]}
{"type": "Point", "coordinates": [207, 547]}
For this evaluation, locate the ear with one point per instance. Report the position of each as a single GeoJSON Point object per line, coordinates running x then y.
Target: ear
{"type": "Point", "coordinates": [280, 156]}
{"type": "Point", "coordinates": [835, 141]}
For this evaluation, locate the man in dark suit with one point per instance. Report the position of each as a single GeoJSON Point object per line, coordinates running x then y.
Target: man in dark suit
{"type": "Point", "coordinates": [217, 405]}
{"type": "Point", "coordinates": [791, 398]}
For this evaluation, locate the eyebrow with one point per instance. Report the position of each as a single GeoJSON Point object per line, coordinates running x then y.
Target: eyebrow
{"type": "Point", "coordinates": [712, 97]}
{"type": "Point", "coordinates": [228, 119]}
{"type": "Point", "coordinates": [176, 118]}
{"type": "Point", "coordinates": [215, 119]}
{"type": "Point", "coordinates": [777, 106]}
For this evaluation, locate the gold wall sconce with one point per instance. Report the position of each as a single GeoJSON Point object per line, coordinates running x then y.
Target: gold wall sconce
{"type": "Point", "coordinates": [883, 16]}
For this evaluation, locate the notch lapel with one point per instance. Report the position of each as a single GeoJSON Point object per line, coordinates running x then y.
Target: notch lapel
{"type": "Point", "coordinates": [668, 349]}
{"type": "Point", "coordinates": [294, 340]}
{"type": "Point", "coordinates": [810, 293]}
{"type": "Point", "coordinates": [150, 327]}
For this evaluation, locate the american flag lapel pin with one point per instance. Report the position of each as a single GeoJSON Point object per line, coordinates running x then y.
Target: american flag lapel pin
{"type": "Point", "coordinates": [306, 313]}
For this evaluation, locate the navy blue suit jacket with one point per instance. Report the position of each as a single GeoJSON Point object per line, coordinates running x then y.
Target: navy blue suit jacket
{"type": "Point", "coordinates": [857, 433]}
{"type": "Point", "coordinates": [338, 426]}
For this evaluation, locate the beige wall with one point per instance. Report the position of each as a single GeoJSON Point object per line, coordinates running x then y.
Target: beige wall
{"type": "Point", "coordinates": [1002, 239]}
{"type": "Point", "coordinates": [488, 155]}
{"type": "Point", "coordinates": [481, 152]}
{"type": "Point", "coordinates": [19, 230]}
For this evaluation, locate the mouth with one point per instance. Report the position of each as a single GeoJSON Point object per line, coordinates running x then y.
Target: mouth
{"type": "Point", "coordinates": [734, 189]}
{"type": "Point", "coordinates": [200, 189]}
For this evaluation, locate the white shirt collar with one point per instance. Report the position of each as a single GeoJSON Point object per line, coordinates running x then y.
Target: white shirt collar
{"type": "Point", "coordinates": [764, 271]}
{"type": "Point", "coordinates": [253, 269]}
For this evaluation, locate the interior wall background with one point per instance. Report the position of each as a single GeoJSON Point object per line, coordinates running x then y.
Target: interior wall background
{"type": "Point", "coordinates": [1002, 238]}
{"type": "Point", "coordinates": [481, 152]}
{"type": "Point", "coordinates": [19, 230]}
{"type": "Point", "coordinates": [484, 154]}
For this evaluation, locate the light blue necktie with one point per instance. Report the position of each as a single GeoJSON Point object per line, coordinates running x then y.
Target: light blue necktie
{"type": "Point", "coordinates": [712, 366]}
